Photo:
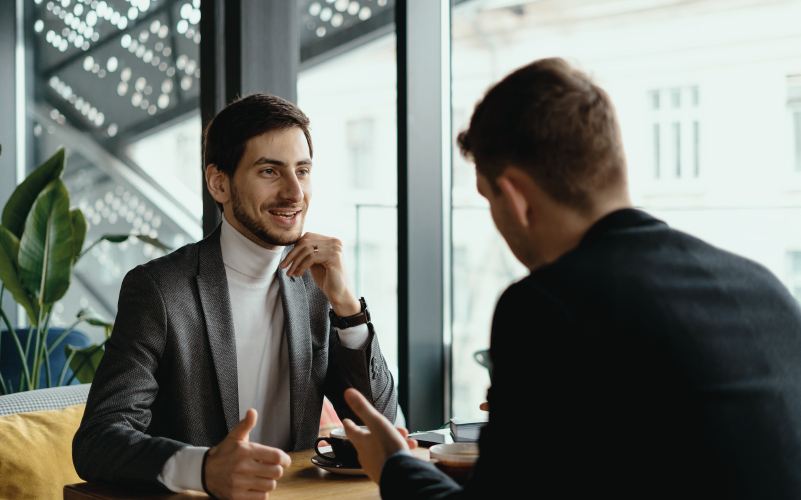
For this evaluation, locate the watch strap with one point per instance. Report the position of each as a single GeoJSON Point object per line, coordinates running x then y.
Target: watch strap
{"type": "Point", "coordinates": [360, 318]}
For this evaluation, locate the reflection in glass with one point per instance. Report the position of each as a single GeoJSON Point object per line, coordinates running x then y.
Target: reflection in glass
{"type": "Point", "coordinates": [104, 86]}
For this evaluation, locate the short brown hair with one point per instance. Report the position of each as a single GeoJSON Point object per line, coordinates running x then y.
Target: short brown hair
{"type": "Point", "coordinates": [226, 136]}
{"type": "Point", "coordinates": [553, 122]}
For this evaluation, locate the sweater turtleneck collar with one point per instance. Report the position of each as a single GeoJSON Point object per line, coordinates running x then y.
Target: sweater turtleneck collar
{"type": "Point", "coordinates": [246, 257]}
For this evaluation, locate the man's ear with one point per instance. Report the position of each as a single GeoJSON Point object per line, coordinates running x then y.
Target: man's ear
{"type": "Point", "coordinates": [218, 184]}
{"type": "Point", "coordinates": [511, 187]}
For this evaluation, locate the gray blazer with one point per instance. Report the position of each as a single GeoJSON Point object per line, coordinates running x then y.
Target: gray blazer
{"type": "Point", "coordinates": [168, 377]}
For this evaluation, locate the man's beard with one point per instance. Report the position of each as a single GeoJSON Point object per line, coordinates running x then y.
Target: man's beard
{"type": "Point", "coordinates": [259, 228]}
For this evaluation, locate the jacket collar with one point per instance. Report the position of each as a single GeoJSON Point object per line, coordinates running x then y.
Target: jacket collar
{"type": "Point", "coordinates": [623, 219]}
{"type": "Point", "coordinates": [299, 342]}
{"type": "Point", "coordinates": [212, 286]}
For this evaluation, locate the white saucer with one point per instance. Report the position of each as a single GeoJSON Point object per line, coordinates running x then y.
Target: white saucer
{"type": "Point", "coordinates": [331, 465]}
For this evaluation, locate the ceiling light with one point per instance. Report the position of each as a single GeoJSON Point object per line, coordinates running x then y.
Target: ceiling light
{"type": "Point", "coordinates": [143, 36]}
{"type": "Point", "coordinates": [314, 8]}
{"type": "Point", "coordinates": [68, 18]}
{"type": "Point", "coordinates": [353, 8]}
{"type": "Point", "coordinates": [125, 74]}
{"type": "Point", "coordinates": [49, 6]}
{"type": "Point", "coordinates": [341, 5]}
{"type": "Point", "coordinates": [197, 38]}
{"type": "Point", "coordinates": [95, 36]}
{"type": "Point", "coordinates": [38, 26]}
{"type": "Point", "coordinates": [152, 109]}
{"type": "Point", "coordinates": [148, 90]}
{"type": "Point", "coordinates": [186, 82]}
{"type": "Point", "coordinates": [101, 73]}
{"type": "Point", "coordinates": [181, 62]}
{"type": "Point", "coordinates": [101, 9]}
{"type": "Point", "coordinates": [196, 3]}
{"type": "Point", "coordinates": [122, 23]}
{"type": "Point", "coordinates": [133, 13]}
{"type": "Point", "coordinates": [122, 88]}
{"type": "Point", "coordinates": [85, 46]}
{"type": "Point", "coordinates": [112, 130]}
{"type": "Point", "coordinates": [125, 41]}
{"type": "Point", "coordinates": [164, 31]}
{"type": "Point", "coordinates": [186, 11]}
{"type": "Point", "coordinates": [148, 56]}
{"type": "Point", "coordinates": [190, 66]}
{"type": "Point", "coordinates": [63, 45]}
{"type": "Point", "coordinates": [92, 114]}
{"type": "Point", "coordinates": [99, 119]}
{"type": "Point", "coordinates": [365, 13]}
{"type": "Point", "coordinates": [167, 51]}
{"type": "Point", "coordinates": [144, 104]}
{"type": "Point", "coordinates": [154, 26]}
{"type": "Point", "coordinates": [140, 84]}
{"type": "Point", "coordinates": [112, 64]}
{"type": "Point", "coordinates": [170, 71]}
{"type": "Point", "coordinates": [65, 3]}
{"type": "Point", "coordinates": [336, 21]}
{"type": "Point", "coordinates": [53, 81]}
{"type": "Point", "coordinates": [166, 86]}
{"type": "Point", "coordinates": [54, 113]}
{"type": "Point", "coordinates": [163, 66]}
{"type": "Point", "coordinates": [155, 61]}
{"type": "Point", "coordinates": [140, 51]}
{"type": "Point", "coordinates": [325, 14]}
{"type": "Point", "coordinates": [182, 26]}
{"type": "Point", "coordinates": [321, 31]}
{"type": "Point", "coordinates": [50, 36]}
{"type": "Point", "coordinates": [88, 63]}
{"type": "Point", "coordinates": [194, 17]}
{"type": "Point", "coordinates": [78, 10]}
{"type": "Point", "coordinates": [95, 68]}
{"type": "Point", "coordinates": [136, 99]}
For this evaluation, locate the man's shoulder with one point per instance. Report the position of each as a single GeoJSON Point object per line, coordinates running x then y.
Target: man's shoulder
{"type": "Point", "coordinates": [178, 265]}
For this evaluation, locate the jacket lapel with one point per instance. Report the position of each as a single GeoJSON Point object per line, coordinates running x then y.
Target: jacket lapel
{"type": "Point", "coordinates": [298, 335]}
{"type": "Point", "coordinates": [212, 286]}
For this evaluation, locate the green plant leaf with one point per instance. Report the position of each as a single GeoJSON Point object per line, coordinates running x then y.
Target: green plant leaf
{"type": "Point", "coordinates": [95, 319]}
{"type": "Point", "coordinates": [46, 247]}
{"type": "Point", "coordinates": [85, 361]}
{"type": "Point", "coordinates": [78, 231]}
{"type": "Point", "coordinates": [9, 274]}
{"type": "Point", "coordinates": [19, 204]}
{"type": "Point", "coordinates": [153, 241]}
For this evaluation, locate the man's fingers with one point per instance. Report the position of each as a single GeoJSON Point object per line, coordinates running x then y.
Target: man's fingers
{"type": "Point", "coordinates": [267, 471]}
{"type": "Point", "coordinates": [254, 495]}
{"type": "Point", "coordinates": [412, 443]}
{"type": "Point", "coordinates": [404, 432]}
{"type": "Point", "coordinates": [364, 410]}
{"type": "Point", "coordinates": [483, 407]}
{"type": "Point", "coordinates": [269, 455]}
{"type": "Point", "coordinates": [253, 483]}
{"type": "Point", "coordinates": [353, 431]}
{"type": "Point", "coordinates": [242, 430]}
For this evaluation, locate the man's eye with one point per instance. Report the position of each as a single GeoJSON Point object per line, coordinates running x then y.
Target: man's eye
{"type": "Point", "coordinates": [304, 171]}
{"type": "Point", "coordinates": [267, 171]}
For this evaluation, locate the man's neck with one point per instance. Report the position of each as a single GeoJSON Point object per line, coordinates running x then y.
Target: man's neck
{"type": "Point", "coordinates": [566, 228]}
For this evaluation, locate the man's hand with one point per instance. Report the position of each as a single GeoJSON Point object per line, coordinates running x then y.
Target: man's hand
{"type": "Point", "coordinates": [483, 407]}
{"type": "Point", "coordinates": [238, 469]}
{"type": "Point", "coordinates": [381, 441]}
{"type": "Point", "coordinates": [327, 270]}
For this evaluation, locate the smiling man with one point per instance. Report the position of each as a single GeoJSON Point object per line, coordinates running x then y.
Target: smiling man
{"type": "Point", "coordinates": [223, 350]}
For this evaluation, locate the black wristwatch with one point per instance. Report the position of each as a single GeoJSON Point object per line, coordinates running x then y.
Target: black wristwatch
{"type": "Point", "coordinates": [360, 318]}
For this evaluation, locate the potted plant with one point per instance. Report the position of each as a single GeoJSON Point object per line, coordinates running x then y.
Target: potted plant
{"type": "Point", "coordinates": [41, 240]}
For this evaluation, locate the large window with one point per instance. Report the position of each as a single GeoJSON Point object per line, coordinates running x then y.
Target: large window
{"type": "Point", "coordinates": [351, 102]}
{"type": "Point", "coordinates": [708, 105]}
{"type": "Point", "coordinates": [116, 82]}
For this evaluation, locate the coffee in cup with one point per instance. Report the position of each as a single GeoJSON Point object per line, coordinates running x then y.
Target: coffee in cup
{"type": "Point", "coordinates": [457, 460]}
{"type": "Point", "coordinates": [341, 447]}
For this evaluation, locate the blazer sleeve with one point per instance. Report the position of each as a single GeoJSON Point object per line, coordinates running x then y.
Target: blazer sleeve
{"type": "Point", "coordinates": [363, 369]}
{"type": "Point", "coordinates": [111, 444]}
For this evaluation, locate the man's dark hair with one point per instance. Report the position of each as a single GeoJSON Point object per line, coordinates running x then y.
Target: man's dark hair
{"type": "Point", "coordinates": [226, 136]}
{"type": "Point", "coordinates": [551, 121]}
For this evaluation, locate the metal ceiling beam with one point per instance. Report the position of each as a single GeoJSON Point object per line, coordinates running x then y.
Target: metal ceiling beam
{"type": "Point", "coordinates": [50, 71]}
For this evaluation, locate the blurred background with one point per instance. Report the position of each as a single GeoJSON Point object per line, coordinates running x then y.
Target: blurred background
{"type": "Point", "coordinates": [708, 93]}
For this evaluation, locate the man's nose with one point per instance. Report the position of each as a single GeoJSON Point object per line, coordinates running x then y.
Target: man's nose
{"type": "Point", "coordinates": [291, 189]}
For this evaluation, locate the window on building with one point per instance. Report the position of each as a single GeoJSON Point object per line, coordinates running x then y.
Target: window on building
{"type": "Point", "coordinates": [676, 135]}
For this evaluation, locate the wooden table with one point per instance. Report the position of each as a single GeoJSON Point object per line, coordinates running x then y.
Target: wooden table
{"type": "Point", "coordinates": [302, 479]}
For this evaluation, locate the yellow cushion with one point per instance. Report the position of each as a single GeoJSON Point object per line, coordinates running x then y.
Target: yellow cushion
{"type": "Point", "coordinates": [36, 453]}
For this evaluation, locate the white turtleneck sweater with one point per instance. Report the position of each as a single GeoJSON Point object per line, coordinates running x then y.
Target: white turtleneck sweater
{"type": "Point", "coordinates": [262, 358]}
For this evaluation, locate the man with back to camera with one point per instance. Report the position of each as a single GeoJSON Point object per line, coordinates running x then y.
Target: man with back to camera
{"type": "Point", "coordinates": [234, 324]}
{"type": "Point", "coordinates": [634, 361]}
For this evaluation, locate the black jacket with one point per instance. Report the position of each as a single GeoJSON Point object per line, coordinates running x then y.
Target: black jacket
{"type": "Point", "coordinates": [645, 363]}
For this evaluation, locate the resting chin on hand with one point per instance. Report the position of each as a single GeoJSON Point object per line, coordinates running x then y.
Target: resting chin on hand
{"type": "Point", "coordinates": [382, 440]}
{"type": "Point", "coordinates": [238, 469]}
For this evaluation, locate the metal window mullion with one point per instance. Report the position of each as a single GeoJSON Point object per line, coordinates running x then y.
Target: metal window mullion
{"type": "Point", "coordinates": [424, 209]}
